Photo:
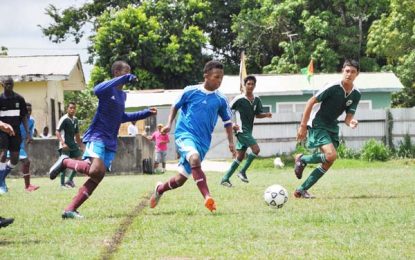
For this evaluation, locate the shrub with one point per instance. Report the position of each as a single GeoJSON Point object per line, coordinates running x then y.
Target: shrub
{"type": "Point", "coordinates": [406, 149]}
{"type": "Point", "coordinates": [344, 152]}
{"type": "Point", "coordinates": [375, 151]}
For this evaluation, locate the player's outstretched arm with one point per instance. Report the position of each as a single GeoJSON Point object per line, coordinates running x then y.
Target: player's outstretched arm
{"type": "Point", "coordinates": [135, 116]}
{"type": "Point", "coordinates": [101, 88]}
{"type": "Point", "coordinates": [264, 115]}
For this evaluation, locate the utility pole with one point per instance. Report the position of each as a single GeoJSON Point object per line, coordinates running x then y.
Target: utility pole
{"type": "Point", "coordinates": [291, 36]}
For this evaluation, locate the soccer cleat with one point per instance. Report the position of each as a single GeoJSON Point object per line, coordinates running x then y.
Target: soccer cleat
{"type": "Point", "coordinates": [70, 184]}
{"type": "Point", "coordinates": [57, 167]}
{"type": "Point", "coordinates": [4, 222]}
{"type": "Point", "coordinates": [72, 214]}
{"type": "Point", "coordinates": [242, 176]}
{"type": "Point", "coordinates": [210, 204]}
{"type": "Point", "coordinates": [226, 183]}
{"type": "Point", "coordinates": [155, 197]}
{"type": "Point", "coordinates": [31, 188]}
{"type": "Point", "coordinates": [299, 166]}
{"type": "Point", "coordinates": [303, 194]}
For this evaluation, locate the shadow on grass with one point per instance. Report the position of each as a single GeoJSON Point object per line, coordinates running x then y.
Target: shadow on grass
{"type": "Point", "coordinates": [17, 242]}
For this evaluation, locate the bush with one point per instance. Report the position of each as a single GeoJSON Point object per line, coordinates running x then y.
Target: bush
{"type": "Point", "coordinates": [406, 149]}
{"type": "Point", "coordinates": [344, 152]}
{"type": "Point", "coordinates": [375, 151]}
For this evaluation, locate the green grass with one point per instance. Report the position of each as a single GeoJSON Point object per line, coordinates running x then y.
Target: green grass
{"type": "Point", "coordinates": [363, 211]}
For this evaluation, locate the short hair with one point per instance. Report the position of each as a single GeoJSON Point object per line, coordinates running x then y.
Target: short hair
{"type": "Point", "coordinates": [118, 65]}
{"type": "Point", "coordinates": [249, 77]}
{"type": "Point", "coordinates": [71, 103]}
{"type": "Point", "coordinates": [352, 63]}
{"type": "Point", "coordinates": [8, 81]}
{"type": "Point", "coordinates": [213, 64]}
{"type": "Point", "coordinates": [28, 104]}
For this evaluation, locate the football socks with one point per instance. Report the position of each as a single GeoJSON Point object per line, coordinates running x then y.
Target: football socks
{"type": "Point", "coordinates": [313, 178]}
{"type": "Point", "coordinates": [231, 170]}
{"type": "Point", "coordinates": [251, 157]}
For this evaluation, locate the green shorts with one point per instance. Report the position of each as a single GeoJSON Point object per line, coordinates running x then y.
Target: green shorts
{"type": "Point", "coordinates": [245, 140]}
{"type": "Point", "coordinates": [74, 153]}
{"type": "Point", "coordinates": [317, 137]}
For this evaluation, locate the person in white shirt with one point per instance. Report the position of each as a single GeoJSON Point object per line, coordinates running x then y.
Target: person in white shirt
{"type": "Point", "coordinates": [132, 129]}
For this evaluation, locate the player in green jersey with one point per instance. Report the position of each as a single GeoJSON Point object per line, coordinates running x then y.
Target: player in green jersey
{"type": "Point", "coordinates": [247, 107]}
{"type": "Point", "coordinates": [323, 130]}
{"type": "Point", "coordinates": [70, 142]}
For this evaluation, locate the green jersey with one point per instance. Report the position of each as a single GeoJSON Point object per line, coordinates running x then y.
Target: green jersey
{"type": "Point", "coordinates": [245, 111]}
{"type": "Point", "coordinates": [333, 102]}
{"type": "Point", "coordinates": [68, 128]}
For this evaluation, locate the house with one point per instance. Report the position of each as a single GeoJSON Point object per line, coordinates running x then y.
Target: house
{"type": "Point", "coordinates": [42, 80]}
{"type": "Point", "coordinates": [285, 95]}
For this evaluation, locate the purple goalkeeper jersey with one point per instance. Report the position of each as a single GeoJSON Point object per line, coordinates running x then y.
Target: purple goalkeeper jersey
{"type": "Point", "coordinates": [110, 112]}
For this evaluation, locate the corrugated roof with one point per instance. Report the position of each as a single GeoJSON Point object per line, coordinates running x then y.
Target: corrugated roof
{"type": "Point", "coordinates": [40, 68]}
{"type": "Point", "coordinates": [297, 84]}
{"type": "Point", "coordinates": [271, 85]}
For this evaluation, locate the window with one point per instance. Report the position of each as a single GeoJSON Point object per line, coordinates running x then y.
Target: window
{"type": "Point", "coordinates": [365, 105]}
{"type": "Point", "coordinates": [266, 108]}
{"type": "Point", "coordinates": [290, 107]}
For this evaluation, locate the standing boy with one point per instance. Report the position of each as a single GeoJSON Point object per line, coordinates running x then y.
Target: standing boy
{"type": "Point", "coordinates": [247, 107]}
{"type": "Point", "coordinates": [13, 111]}
{"type": "Point", "coordinates": [70, 142]}
{"type": "Point", "coordinates": [199, 107]}
{"type": "Point", "coordinates": [161, 138]}
{"type": "Point", "coordinates": [323, 129]}
{"type": "Point", "coordinates": [24, 160]}
{"type": "Point", "coordinates": [101, 136]}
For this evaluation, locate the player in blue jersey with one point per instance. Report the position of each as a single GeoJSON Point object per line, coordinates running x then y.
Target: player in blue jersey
{"type": "Point", "coordinates": [24, 160]}
{"type": "Point", "coordinates": [199, 107]}
{"type": "Point", "coordinates": [101, 137]}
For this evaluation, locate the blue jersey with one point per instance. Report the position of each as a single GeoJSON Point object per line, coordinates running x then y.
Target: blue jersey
{"type": "Point", "coordinates": [199, 113]}
{"type": "Point", "coordinates": [110, 112]}
{"type": "Point", "coordinates": [31, 126]}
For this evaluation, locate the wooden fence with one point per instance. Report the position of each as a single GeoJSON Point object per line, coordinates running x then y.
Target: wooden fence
{"type": "Point", "coordinates": [277, 135]}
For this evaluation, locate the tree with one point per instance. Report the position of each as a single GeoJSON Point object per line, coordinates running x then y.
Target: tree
{"type": "Point", "coordinates": [392, 37]}
{"type": "Point", "coordinates": [327, 31]}
{"type": "Point", "coordinates": [160, 41]}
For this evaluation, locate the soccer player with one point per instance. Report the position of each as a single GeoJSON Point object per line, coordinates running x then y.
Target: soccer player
{"type": "Point", "coordinates": [322, 126]}
{"type": "Point", "coordinates": [13, 111]}
{"type": "Point", "coordinates": [8, 130]}
{"type": "Point", "coordinates": [24, 160]}
{"type": "Point", "coordinates": [199, 107]}
{"type": "Point", "coordinates": [161, 139]}
{"type": "Point", "coordinates": [101, 136]}
{"type": "Point", "coordinates": [70, 142]}
{"type": "Point", "coordinates": [247, 107]}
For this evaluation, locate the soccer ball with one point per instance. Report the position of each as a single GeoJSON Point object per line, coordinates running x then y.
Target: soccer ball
{"type": "Point", "coordinates": [275, 196]}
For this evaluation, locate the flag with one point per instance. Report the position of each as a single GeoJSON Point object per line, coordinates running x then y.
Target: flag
{"type": "Point", "coordinates": [308, 71]}
{"type": "Point", "coordinates": [242, 72]}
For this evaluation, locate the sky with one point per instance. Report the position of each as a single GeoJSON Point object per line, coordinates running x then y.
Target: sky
{"type": "Point", "coordinates": [20, 33]}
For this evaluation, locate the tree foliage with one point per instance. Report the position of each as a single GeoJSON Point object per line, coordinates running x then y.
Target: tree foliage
{"type": "Point", "coordinates": [162, 42]}
{"type": "Point", "coordinates": [167, 41]}
{"type": "Point", "coordinates": [393, 37]}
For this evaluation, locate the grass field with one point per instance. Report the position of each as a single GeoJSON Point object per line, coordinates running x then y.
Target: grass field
{"type": "Point", "coordinates": [363, 211]}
